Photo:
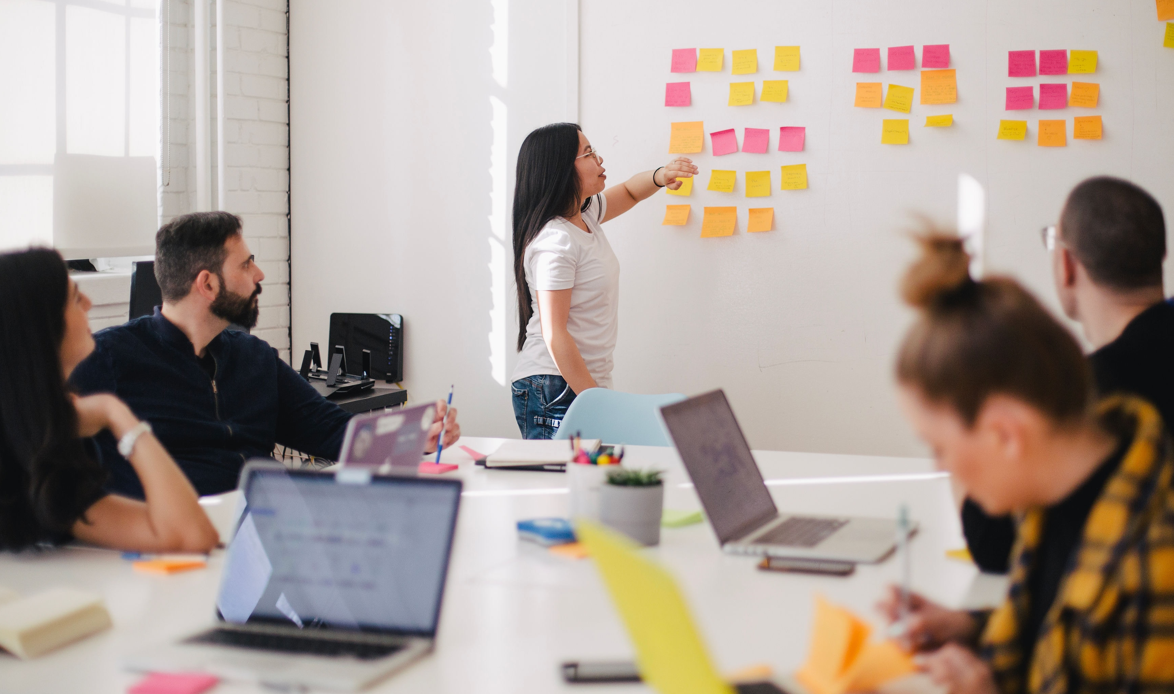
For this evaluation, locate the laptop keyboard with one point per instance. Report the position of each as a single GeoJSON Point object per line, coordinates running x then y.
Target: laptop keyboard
{"type": "Point", "coordinates": [295, 644]}
{"type": "Point", "coordinates": [801, 532]}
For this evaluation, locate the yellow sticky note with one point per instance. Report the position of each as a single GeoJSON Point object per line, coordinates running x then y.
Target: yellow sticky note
{"type": "Point", "coordinates": [786, 58]}
{"type": "Point", "coordinates": [1169, 42]}
{"type": "Point", "coordinates": [899, 98]}
{"type": "Point", "coordinates": [761, 219]}
{"type": "Point", "coordinates": [722, 181]}
{"type": "Point", "coordinates": [1012, 129]}
{"type": "Point", "coordinates": [1165, 10]}
{"type": "Point", "coordinates": [774, 91]}
{"type": "Point", "coordinates": [895, 131]}
{"type": "Point", "coordinates": [869, 94]}
{"type": "Point", "coordinates": [1084, 94]}
{"type": "Point", "coordinates": [675, 215]}
{"type": "Point", "coordinates": [741, 93]}
{"type": "Point", "coordinates": [960, 554]}
{"type": "Point", "coordinates": [757, 184]}
{"type": "Point", "coordinates": [746, 62]}
{"type": "Point", "coordinates": [710, 59]}
{"type": "Point", "coordinates": [1052, 133]}
{"type": "Point", "coordinates": [718, 221]}
{"type": "Point", "coordinates": [939, 121]}
{"type": "Point", "coordinates": [1081, 62]}
{"type": "Point", "coordinates": [1087, 128]}
{"type": "Point", "coordinates": [685, 190]}
{"type": "Point", "coordinates": [795, 177]}
{"type": "Point", "coordinates": [939, 87]}
{"type": "Point", "coordinates": [687, 138]}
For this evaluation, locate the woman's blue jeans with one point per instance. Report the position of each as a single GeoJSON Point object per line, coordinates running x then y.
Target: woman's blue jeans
{"type": "Point", "coordinates": [540, 403]}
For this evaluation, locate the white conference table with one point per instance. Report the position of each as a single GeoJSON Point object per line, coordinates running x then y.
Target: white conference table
{"type": "Point", "coordinates": [513, 612]}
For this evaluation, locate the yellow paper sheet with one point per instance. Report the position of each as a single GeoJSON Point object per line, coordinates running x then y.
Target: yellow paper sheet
{"type": "Point", "coordinates": [1169, 42]}
{"type": "Point", "coordinates": [960, 554]}
{"type": "Point", "coordinates": [1053, 133]}
{"type": "Point", "coordinates": [741, 93]}
{"type": "Point", "coordinates": [710, 59]}
{"type": "Point", "coordinates": [895, 131]}
{"type": "Point", "coordinates": [939, 121]}
{"type": "Point", "coordinates": [685, 190]}
{"type": "Point", "coordinates": [761, 219]}
{"type": "Point", "coordinates": [841, 659]}
{"type": "Point", "coordinates": [670, 654]}
{"type": "Point", "coordinates": [687, 138]}
{"type": "Point", "coordinates": [869, 95]}
{"type": "Point", "coordinates": [1082, 62]}
{"type": "Point", "coordinates": [675, 215]}
{"type": "Point", "coordinates": [722, 181]}
{"type": "Point", "coordinates": [1165, 10]}
{"type": "Point", "coordinates": [1012, 129]}
{"type": "Point", "coordinates": [718, 221]}
{"type": "Point", "coordinates": [939, 87]}
{"type": "Point", "coordinates": [795, 177]}
{"type": "Point", "coordinates": [757, 184]}
{"type": "Point", "coordinates": [1084, 94]}
{"type": "Point", "coordinates": [899, 98]}
{"type": "Point", "coordinates": [774, 91]}
{"type": "Point", "coordinates": [1087, 128]}
{"type": "Point", "coordinates": [746, 62]}
{"type": "Point", "coordinates": [786, 58]}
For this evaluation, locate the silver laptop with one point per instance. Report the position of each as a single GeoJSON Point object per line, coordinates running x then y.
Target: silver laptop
{"type": "Point", "coordinates": [327, 584]}
{"type": "Point", "coordinates": [739, 505]}
{"type": "Point", "coordinates": [388, 442]}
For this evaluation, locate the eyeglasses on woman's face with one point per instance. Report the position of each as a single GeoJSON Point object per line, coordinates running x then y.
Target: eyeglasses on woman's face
{"type": "Point", "coordinates": [591, 153]}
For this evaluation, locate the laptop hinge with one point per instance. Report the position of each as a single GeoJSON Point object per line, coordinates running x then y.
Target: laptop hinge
{"type": "Point", "coordinates": [326, 634]}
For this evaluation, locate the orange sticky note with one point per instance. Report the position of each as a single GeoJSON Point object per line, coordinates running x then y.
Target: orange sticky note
{"type": "Point", "coordinates": [718, 221]}
{"type": "Point", "coordinates": [795, 177]}
{"type": "Point", "coordinates": [761, 219]}
{"type": "Point", "coordinates": [572, 550]}
{"type": "Point", "coordinates": [687, 138]}
{"type": "Point", "coordinates": [1084, 94]}
{"type": "Point", "coordinates": [685, 190]}
{"type": "Point", "coordinates": [741, 93]}
{"type": "Point", "coordinates": [895, 131]}
{"type": "Point", "coordinates": [1087, 128]}
{"type": "Point", "coordinates": [1012, 129]}
{"type": "Point", "coordinates": [168, 566]}
{"type": "Point", "coordinates": [841, 659]}
{"type": "Point", "coordinates": [939, 87]}
{"type": "Point", "coordinates": [1165, 10]}
{"type": "Point", "coordinates": [869, 95]}
{"type": "Point", "coordinates": [675, 215]}
{"type": "Point", "coordinates": [1053, 133]}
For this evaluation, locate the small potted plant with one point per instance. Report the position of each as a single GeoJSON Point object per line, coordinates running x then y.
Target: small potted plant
{"type": "Point", "coordinates": [632, 502]}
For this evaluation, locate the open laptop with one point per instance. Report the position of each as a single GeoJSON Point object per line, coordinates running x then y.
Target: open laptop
{"type": "Point", "coordinates": [326, 584]}
{"type": "Point", "coordinates": [739, 505]}
{"type": "Point", "coordinates": [388, 442]}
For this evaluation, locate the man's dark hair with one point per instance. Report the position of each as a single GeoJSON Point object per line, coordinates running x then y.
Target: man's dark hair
{"type": "Point", "coordinates": [188, 245]}
{"type": "Point", "coordinates": [1116, 230]}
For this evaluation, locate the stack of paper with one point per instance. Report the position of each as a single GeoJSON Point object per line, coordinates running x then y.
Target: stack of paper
{"type": "Point", "coordinates": [38, 624]}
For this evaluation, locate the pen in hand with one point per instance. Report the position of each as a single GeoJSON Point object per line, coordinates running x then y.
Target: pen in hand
{"type": "Point", "coordinates": [443, 424]}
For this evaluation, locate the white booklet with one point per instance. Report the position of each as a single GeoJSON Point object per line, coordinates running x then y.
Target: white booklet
{"type": "Point", "coordinates": [537, 453]}
{"type": "Point", "coordinates": [43, 622]}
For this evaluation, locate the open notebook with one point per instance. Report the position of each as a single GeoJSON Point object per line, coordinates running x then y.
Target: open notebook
{"type": "Point", "coordinates": [540, 454]}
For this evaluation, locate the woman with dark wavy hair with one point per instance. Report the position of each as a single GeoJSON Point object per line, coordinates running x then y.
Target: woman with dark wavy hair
{"type": "Point", "coordinates": [51, 484]}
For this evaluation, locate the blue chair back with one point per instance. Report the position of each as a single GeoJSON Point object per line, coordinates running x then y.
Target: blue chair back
{"type": "Point", "coordinates": [627, 418]}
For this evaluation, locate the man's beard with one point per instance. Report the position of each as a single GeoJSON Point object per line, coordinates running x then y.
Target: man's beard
{"type": "Point", "coordinates": [236, 308]}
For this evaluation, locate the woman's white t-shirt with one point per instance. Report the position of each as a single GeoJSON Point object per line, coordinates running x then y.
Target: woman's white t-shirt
{"type": "Point", "coordinates": [563, 256]}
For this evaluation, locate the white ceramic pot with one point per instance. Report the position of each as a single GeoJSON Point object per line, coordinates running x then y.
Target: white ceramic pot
{"type": "Point", "coordinates": [585, 482]}
{"type": "Point", "coordinates": [634, 511]}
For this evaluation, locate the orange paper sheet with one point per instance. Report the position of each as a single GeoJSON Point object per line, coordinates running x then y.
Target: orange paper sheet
{"type": "Point", "coordinates": [1084, 94]}
{"type": "Point", "coordinates": [1087, 128]}
{"type": "Point", "coordinates": [675, 215]}
{"type": "Point", "coordinates": [869, 95]}
{"type": "Point", "coordinates": [571, 550]}
{"type": "Point", "coordinates": [687, 138]}
{"type": "Point", "coordinates": [167, 567]}
{"type": "Point", "coordinates": [939, 87]}
{"type": "Point", "coordinates": [1165, 10]}
{"type": "Point", "coordinates": [842, 660]}
{"type": "Point", "coordinates": [1053, 133]}
{"type": "Point", "coordinates": [761, 219]}
{"type": "Point", "coordinates": [719, 221]}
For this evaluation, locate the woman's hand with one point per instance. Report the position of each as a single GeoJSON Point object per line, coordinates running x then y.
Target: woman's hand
{"type": "Point", "coordinates": [452, 428]}
{"type": "Point", "coordinates": [681, 167]}
{"type": "Point", "coordinates": [927, 625]}
{"type": "Point", "coordinates": [102, 411]}
{"type": "Point", "coordinates": [959, 670]}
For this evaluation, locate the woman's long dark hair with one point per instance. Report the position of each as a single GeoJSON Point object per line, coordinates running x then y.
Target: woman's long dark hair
{"type": "Point", "coordinates": [46, 478]}
{"type": "Point", "coordinates": [547, 187]}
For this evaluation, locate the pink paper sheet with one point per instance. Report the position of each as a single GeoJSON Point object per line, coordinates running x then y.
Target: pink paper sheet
{"type": "Point", "coordinates": [677, 94]}
{"type": "Point", "coordinates": [724, 142]}
{"type": "Point", "coordinates": [902, 58]}
{"type": "Point", "coordinates": [1053, 96]}
{"type": "Point", "coordinates": [1021, 63]}
{"type": "Point", "coordinates": [1053, 62]}
{"type": "Point", "coordinates": [866, 60]}
{"type": "Point", "coordinates": [792, 139]}
{"type": "Point", "coordinates": [936, 56]}
{"type": "Point", "coordinates": [756, 140]}
{"type": "Point", "coordinates": [684, 60]}
{"type": "Point", "coordinates": [1020, 98]}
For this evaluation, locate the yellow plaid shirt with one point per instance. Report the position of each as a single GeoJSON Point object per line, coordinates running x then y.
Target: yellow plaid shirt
{"type": "Point", "coordinates": [1111, 628]}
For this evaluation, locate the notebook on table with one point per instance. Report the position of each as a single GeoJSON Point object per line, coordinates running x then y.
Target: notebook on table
{"type": "Point", "coordinates": [537, 454]}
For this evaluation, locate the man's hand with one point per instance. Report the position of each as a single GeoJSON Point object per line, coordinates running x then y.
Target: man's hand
{"type": "Point", "coordinates": [446, 418]}
{"type": "Point", "coordinates": [928, 625]}
{"type": "Point", "coordinates": [959, 670]}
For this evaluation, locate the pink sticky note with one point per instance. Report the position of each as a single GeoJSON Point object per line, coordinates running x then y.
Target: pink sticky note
{"type": "Point", "coordinates": [684, 60]}
{"type": "Point", "coordinates": [1020, 98]}
{"type": "Point", "coordinates": [866, 60]}
{"type": "Point", "coordinates": [791, 139]}
{"type": "Point", "coordinates": [1053, 96]}
{"type": "Point", "coordinates": [677, 94]}
{"type": "Point", "coordinates": [936, 56]}
{"type": "Point", "coordinates": [1053, 62]}
{"type": "Point", "coordinates": [430, 468]}
{"type": "Point", "coordinates": [902, 58]}
{"type": "Point", "coordinates": [724, 142]}
{"type": "Point", "coordinates": [177, 683]}
{"type": "Point", "coordinates": [1021, 63]}
{"type": "Point", "coordinates": [756, 140]}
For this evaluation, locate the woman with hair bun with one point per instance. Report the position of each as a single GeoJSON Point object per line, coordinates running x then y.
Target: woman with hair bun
{"type": "Point", "coordinates": [1001, 393]}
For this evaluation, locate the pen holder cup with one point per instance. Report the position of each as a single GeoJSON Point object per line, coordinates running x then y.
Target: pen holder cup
{"type": "Point", "coordinates": [585, 482]}
{"type": "Point", "coordinates": [634, 511]}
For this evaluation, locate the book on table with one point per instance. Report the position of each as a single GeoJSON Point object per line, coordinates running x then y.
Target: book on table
{"type": "Point", "coordinates": [40, 623]}
{"type": "Point", "coordinates": [537, 453]}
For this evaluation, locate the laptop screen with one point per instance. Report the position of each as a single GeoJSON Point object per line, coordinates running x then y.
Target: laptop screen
{"type": "Point", "coordinates": [715, 453]}
{"type": "Point", "coordinates": [317, 554]}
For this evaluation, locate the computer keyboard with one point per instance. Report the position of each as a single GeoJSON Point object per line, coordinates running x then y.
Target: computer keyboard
{"type": "Point", "coordinates": [801, 532]}
{"type": "Point", "coordinates": [295, 644]}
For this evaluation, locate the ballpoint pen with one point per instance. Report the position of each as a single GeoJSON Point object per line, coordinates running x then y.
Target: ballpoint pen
{"type": "Point", "coordinates": [443, 422]}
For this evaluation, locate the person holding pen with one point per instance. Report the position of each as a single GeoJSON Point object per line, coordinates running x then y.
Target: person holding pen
{"type": "Point", "coordinates": [566, 273]}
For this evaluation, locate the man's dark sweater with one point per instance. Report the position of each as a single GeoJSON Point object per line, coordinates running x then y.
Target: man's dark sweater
{"type": "Point", "coordinates": [1140, 361]}
{"type": "Point", "coordinates": [211, 414]}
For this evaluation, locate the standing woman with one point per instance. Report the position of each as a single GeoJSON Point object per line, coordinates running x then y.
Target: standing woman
{"type": "Point", "coordinates": [567, 275]}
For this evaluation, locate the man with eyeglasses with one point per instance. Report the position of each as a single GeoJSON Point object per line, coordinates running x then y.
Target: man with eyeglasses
{"type": "Point", "coordinates": [1107, 253]}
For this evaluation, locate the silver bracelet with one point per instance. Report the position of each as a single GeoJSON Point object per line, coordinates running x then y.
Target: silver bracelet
{"type": "Point", "coordinates": [126, 445]}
